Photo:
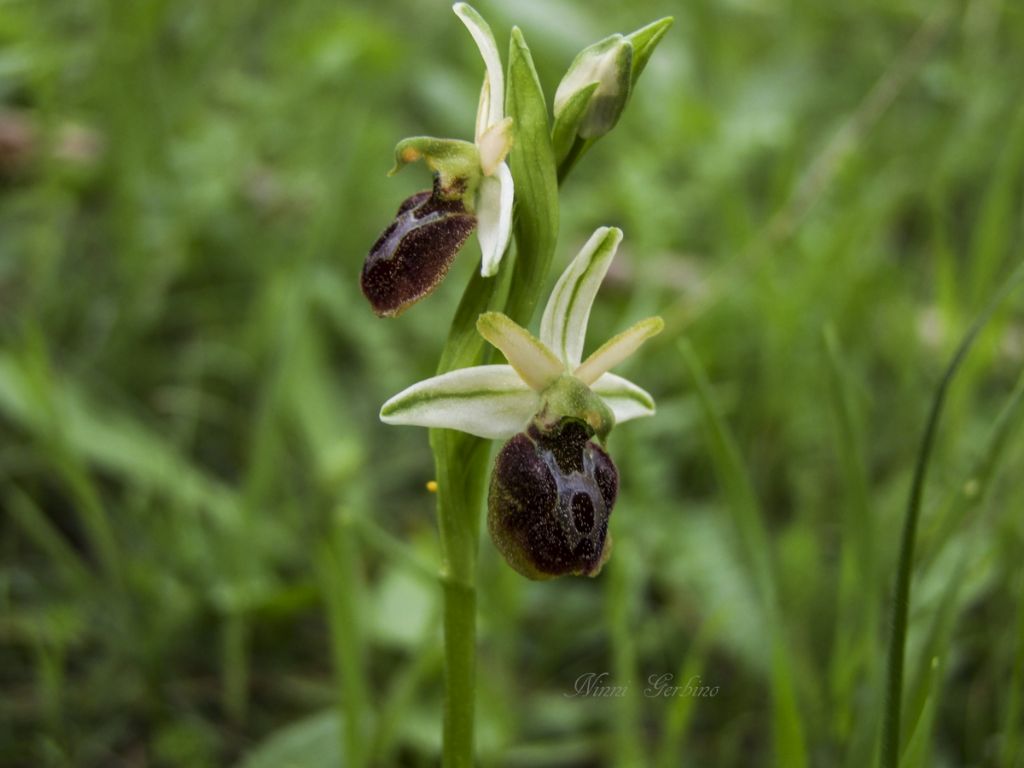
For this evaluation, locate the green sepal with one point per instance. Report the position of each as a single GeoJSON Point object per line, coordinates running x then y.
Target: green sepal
{"type": "Point", "coordinates": [454, 163]}
{"type": "Point", "coordinates": [644, 41]}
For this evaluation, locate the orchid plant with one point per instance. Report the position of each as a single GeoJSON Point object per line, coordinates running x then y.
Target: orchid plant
{"type": "Point", "coordinates": [552, 484]}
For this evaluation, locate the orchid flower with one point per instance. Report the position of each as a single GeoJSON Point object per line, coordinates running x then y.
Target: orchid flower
{"type": "Point", "coordinates": [473, 188]}
{"type": "Point", "coordinates": [496, 401]}
{"type": "Point", "coordinates": [553, 489]}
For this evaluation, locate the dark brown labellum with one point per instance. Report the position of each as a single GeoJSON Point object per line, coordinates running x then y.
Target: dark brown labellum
{"type": "Point", "coordinates": [413, 255]}
{"type": "Point", "coordinates": [551, 495]}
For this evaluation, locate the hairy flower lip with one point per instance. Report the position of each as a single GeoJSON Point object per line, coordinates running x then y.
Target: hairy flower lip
{"type": "Point", "coordinates": [551, 496]}
{"type": "Point", "coordinates": [415, 252]}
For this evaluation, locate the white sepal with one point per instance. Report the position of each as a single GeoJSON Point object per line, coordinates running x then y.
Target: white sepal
{"type": "Point", "coordinates": [489, 401]}
{"type": "Point", "coordinates": [563, 326]}
{"type": "Point", "coordinates": [494, 218]}
{"type": "Point", "coordinates": [626, 400]}
{"type": "Point", "coordinates": [484, 39]}
{"type": "Point", "coordinates": [483, 108]}
{"type": "Point", "coordinates": [617, 349]}
{"type": "Point", "coordinates": [532, 360]}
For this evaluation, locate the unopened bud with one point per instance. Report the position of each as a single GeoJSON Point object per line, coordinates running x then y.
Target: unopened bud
{"type": "Point", "coordinates": [609, 65]}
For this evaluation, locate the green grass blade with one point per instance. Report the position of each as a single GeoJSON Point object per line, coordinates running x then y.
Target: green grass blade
{"type": "Point", "coordinates": [992, 235]}
{"type": "Point", "coordinates": [890, 739]}
{"type": "Point", "coordinates": [854, 644]}
{"type": "Point", "coordinates": [679, 712]}
{"type": "Point", "coordinates": [756, 548]}
{"type": "Point", "coordinates": [1010, 751]}
{"type": "Point", "coordinates": [37, 527]}
{"type": "Point", "coordinates": [338, 563]}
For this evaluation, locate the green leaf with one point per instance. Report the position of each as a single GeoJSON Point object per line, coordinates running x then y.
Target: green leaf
{"type": "Point", "coordinates": [532, 161]}
{"type": "Point", "coordinates": [644, 41]}
{"type": "Point", "coordinates": [314, 742]}
{"type": "Point", "coordinates": [110, 440]}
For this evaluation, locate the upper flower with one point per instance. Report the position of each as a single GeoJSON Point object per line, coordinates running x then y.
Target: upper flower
{"type": "Point", "coordinates": [472, 187]}
{"type": "Point", "coordinates": [546, 379]}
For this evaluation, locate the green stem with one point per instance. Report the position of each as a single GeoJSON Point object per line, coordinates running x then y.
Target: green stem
{"type": "Point", "coordinates": [890, 755]}
{"type": "Point", "coordinates": [461, 464]}
{"type": "Point", "coordinates": [576, 151]}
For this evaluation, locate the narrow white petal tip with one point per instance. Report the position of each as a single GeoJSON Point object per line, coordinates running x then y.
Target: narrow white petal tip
{"type": "Point", "coordinates": [494, 218]}
{"type": "Point", "coordinates": [488, 401]}
{"type": "Point", "coordinates": [617, 349]}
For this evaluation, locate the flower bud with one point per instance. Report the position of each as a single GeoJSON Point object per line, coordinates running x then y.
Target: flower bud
{"type": "Point", "coordinates": [552, 492]}
{"type": "Point", "coordinates": [413, 255]}
{"type": "Point", "coordinates": [607, 64]}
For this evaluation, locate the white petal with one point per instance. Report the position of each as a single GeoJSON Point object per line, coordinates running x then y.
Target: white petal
{"type": "Point", "coordinates": [484, 39]}
{"type": "Point", "coordinates": [494, 218]}
{"type": "Point", "coordinates": [489, 401]}
{"type": "Point", "coordinates": [534, 362]}
{"type": "Point", "coordinates": [626, 399]}
{"type": "Point", "coordinates": [493, 145]}
{"type": "Point", "coordinates": [617, 349]}
{"type": "Point", "coordinates": [564, 324]}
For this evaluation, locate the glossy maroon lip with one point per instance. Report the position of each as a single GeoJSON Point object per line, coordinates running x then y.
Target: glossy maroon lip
{"type": "Point", "coordinates": [413, 255]}
{"type": "Point", "coordinates": [551, 496]}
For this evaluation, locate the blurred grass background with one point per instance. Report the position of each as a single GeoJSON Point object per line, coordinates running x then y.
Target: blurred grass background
{"type": "Point", "coordinates": [209, 546]}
